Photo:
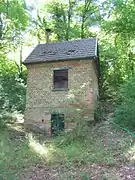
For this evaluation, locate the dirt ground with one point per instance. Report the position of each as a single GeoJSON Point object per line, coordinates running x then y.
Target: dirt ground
{"type": "Point", "coordinates": [111, 138]}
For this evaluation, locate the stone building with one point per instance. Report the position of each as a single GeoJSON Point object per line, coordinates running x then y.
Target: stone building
{"type": "Point", "coordinates": [62, 78]}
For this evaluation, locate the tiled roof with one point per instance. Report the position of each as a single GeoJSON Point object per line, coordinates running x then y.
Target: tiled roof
{"type": "Point", "coordinates": [77, 49]}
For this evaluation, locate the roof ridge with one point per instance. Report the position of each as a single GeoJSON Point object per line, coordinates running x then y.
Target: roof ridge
{"type": "Point", "coordinates": [60, 42]}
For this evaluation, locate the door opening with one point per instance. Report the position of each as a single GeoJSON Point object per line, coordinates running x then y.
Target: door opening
{"type": "Point", "coordinates": [57, 123]}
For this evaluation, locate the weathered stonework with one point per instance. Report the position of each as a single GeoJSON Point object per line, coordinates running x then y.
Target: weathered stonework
{"type": "Point", "coordinates": [42, 99]}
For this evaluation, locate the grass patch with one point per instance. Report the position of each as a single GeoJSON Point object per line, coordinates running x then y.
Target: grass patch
{"type": "Point", "coordinates": [79, 152]}
{"type": "Point", "coordinates": [15, 155]}
{"type": "Point", "coordinates": [18, 153]}
{"type": "Point", "coordinates": [102, 145]}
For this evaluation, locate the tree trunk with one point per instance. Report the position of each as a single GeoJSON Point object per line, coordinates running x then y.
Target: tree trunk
{"type": "Point", "coordinates": [69, 20]}
{"type": "Point", "coordinates": [83, 20]}
{"type": "Point", "coordinates": [19, 66]}
{"type": "Point", "coordinates": [20, 69]}
{"type": "Point", "coordinates": [84, 16]}
{"type": "Point", "coordinates": [1, 26]}
{"type": "Point", "coordinates": [82, 28]}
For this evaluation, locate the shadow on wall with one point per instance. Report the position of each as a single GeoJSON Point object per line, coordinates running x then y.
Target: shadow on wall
{"type": "Point", "coordinates": [78, 103]}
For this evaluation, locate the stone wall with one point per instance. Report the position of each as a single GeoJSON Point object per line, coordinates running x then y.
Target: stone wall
{"type": "Point", "coordinates": [42, 99]}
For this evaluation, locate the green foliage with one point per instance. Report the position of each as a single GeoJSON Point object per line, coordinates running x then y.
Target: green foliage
{"type": "Point", "coordinates": [15, 11]}
{"type": "Point", "coordinates": [125, 114]}
{"type": "Point", "coordinates": [70, 19]}
{"type": "Point", "coordinates": [100, 112]}
{"type": "Point", "coordinates": [12, 94]}
{"type": "Point", "coordinates": [12, 89]}
{"type": "Point", "coordinates": [117, 47]}
{"type": "Point", "coordinates": [7, 118]}
{"type": "Point", "coordinates": [13, 21]}
{"type": "Point", "coordinates": [123, 21]}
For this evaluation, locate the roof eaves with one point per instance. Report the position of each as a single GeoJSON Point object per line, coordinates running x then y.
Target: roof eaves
{"type": "Point", "coordinates": [96, 46]}
{"type": "Point", "coordinates": [58, 60]}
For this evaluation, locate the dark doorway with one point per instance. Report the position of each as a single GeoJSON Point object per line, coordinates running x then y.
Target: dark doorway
{"type": "Point", "coordinates": [57, 123]}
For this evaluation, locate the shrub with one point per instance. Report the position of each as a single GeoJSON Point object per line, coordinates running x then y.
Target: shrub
{"type": "Point", "coordinates": [78, 133]}
{"type": "Point", "coordinates": [12, 89]}
{"type": "Point", "coordinates": [100, 112]}
{"type": "Point", "coordinates": [125, 109]}
{"type": "Point", "coordinates": [12, 94]}
{"type": "Point", "coordinates": [6, 117]}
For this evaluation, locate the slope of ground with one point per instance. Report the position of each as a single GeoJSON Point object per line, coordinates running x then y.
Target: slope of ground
{"type": "Point", "coordinates": [109, 153]}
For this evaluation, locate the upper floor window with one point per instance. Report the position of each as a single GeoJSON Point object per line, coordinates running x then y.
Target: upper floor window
{"type": "Point", "coordinates": [60, 79]}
